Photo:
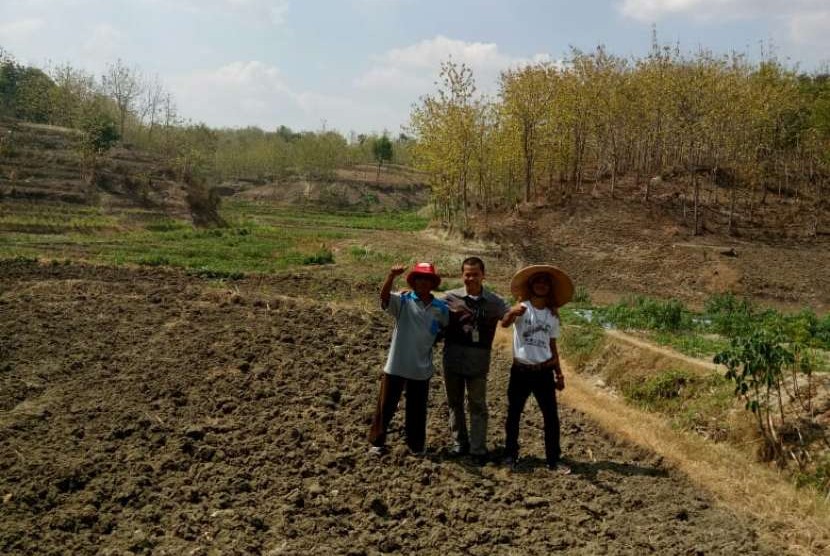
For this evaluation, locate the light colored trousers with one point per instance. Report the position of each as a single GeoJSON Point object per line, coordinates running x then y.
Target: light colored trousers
{"type": "Point", "coordinates": [476, 389]}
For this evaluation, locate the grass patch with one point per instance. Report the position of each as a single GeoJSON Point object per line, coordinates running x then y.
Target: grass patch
{"type": "Point", "coordinates": [691, 401]}
{"type": "Point", "coordinates": [264, 214]}
{"type": "Point", "coordinates": [581, 340]}
{"type": "Point", "coordinates": [646, 313]}
{"type": "Point", "coordinates": [702, 346]}
{"type": "Point", "coordinates": [366, 255]}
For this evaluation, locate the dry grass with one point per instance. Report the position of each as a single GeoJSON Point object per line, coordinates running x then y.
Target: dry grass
{"type": "Point", "coordinates": [796, 520]}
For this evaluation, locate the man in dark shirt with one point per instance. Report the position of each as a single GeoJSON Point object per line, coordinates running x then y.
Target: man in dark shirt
{"type": "Point", "coordinates": [474, 315]}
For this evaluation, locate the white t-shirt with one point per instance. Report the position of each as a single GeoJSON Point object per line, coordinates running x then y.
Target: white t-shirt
{"type": "Point", "coordinates": [532, 332]}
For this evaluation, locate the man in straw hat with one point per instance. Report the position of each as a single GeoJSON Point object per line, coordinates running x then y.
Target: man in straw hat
{"type": "Point", "coordinates": [419, 317]}
{"type": "Point", "coordinates": [540, 290]}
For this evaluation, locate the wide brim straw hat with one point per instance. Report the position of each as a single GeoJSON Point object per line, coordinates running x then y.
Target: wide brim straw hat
{"type": "Point", "coordinates": [423, 269]}
{"type": "Point", "coordinates": [563, 287]}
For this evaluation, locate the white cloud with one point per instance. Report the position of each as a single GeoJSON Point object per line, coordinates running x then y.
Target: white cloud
{"type": "Point", "coordinates": [102, 42]}
{"type": "Point", "coordinates": [430, 53]}
{"type": "Point", "coordinates": [253, 93]}
{"type": "Point", "coordinates": [413, 69]}
{"type": "Point", "coordinates": [261, 11]}
{"type": "Point", "coordinates": [805, 23]}
{"type": "Point", "coordinates": [652, 10]}
{"type": "Point", "coordinates": [812, 29]}
{"type": "Point", "coordinates": [20, 30]}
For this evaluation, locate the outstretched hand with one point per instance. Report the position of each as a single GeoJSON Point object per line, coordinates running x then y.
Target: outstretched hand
{"type": "Point", "coordinates": [397, 270]}
{"type": "Point", "coordinates": [518, 309]}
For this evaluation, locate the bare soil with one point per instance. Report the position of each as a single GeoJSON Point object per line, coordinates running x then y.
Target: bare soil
{"type": "Point", "coordinates": [619, 247]}
{"type": "Point", "coordinates": [145, 411]}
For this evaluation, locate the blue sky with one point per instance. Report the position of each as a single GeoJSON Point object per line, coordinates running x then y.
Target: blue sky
{"type": "Point", "coordinates": [359, 65]}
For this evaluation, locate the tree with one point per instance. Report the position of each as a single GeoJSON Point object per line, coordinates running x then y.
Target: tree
{"type": "Point", "coordinates": [382, 151]}
{"type": "Point", "coordinates": [99, 135]}
{"type": "Point", "coordinates": [74, 90]}
{"type": "Point", "coordinates": [444, 125]}
{"type": "Point", "coordinates": [33, 96]}
{"type": "Point", "coordinates": [123, 85]}
{"type": "Point", "coordinates": [527, 94]}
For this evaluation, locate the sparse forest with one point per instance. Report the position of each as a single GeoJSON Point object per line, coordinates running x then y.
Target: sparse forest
{"type": "Point", "coordinates": [143, 113]}
{"type": "Point", "coordinates": [737, 134]}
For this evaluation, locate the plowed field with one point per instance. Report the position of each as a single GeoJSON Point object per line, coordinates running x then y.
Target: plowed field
{"type": "Point", "coordinates": [146, 411]}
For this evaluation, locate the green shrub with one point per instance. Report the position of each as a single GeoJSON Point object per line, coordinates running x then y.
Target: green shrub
{"type": "Point", "coordinates": [154, 260]}
{"type": "Point", "coordinates": [729, 315]}
{"type": "Point", "coordinates": [818, 478]}
{"type": "Point", "coordinates": [581, 296]}
{"type": "Point", "coordinates": [646, 313]}
{"type": "Point", "coordinates": [654, 391]}
{"type": "Point", "coordinates": [580, 342]}
{"type": "Point", "coordinates": [323, 256]}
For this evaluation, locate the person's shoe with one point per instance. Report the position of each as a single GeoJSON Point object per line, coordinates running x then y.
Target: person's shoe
{"type": "Point", "coordinates": [481, 459]}
{"type": "Point", "coordinates": [511, 462]}
{"type": "Point", "coordinates": [377, 451]}
{"type": "Point", "coordinates": [559, 468]}
{"type": "Point", "coordinates": [419, 454]}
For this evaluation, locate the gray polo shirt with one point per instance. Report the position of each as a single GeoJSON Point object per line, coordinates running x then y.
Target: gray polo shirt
{"type": "Point", "coordinates": [469, 337]}
{"type": "Point", "coordinates": [416, 326]}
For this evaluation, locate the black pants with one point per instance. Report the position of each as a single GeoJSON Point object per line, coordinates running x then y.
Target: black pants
{"type": "Point", "coordinates": [540, 383]}
{"type": "Point", "coordinates": [415, 418]}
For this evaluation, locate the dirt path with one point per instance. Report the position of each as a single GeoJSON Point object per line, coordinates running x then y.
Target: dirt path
{"type": "Point", "coordinates": [143, 411]}
{"type": "Point", "coordinates": [693, 361]}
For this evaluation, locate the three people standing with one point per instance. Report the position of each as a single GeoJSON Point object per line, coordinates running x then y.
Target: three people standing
{"type": "Point", "coordinates": [469, 317]}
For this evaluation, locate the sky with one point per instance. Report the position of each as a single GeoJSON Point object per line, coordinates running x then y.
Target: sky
{"type": "Point", "coordinates": [360, 65]}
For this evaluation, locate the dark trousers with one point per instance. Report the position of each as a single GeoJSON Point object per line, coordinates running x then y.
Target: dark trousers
{"type": "Point", "coordinates": [415, 418]}
{"type": "Point", "coordinates": [540, 383]}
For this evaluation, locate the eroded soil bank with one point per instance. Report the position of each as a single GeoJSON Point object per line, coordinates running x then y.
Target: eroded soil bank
{"type": "Point", "coordinates": [145, 411]}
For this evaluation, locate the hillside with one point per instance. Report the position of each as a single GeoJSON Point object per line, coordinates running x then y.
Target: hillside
{"type": "Point", "coordinates": [617, 247]}
{"type": "Point", "coordinates": [41, 164]}
{"type": "Point", "coordinates": [361, 188]}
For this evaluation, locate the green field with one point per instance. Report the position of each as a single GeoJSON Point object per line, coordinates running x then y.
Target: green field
{"type": "Point", "coordinates": [258, 238]}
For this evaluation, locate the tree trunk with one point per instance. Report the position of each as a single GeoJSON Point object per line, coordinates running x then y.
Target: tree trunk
{"type": "Point", "coordinates": [696, 203]}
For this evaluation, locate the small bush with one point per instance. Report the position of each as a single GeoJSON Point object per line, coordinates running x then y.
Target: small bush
{"type": "Point", "coordinates": [646, 313]}
{"type": "Point", "coordinates": [154, 260]}
{"type": "Point", "coordinates": [581, 296]}
{"type": "Point", "coordinates": [323, 256]}
{"type": "Point", "coordinates": [580, 343]}
{"type": "Point", "coordinates": [818, 477]}
{"type": "Point", "coordinates": [729, 315]}
{"type": "Point", "coordinates": [654, 391]}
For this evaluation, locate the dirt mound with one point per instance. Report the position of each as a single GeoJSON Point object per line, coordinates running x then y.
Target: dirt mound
{"type": "Point", "coordinates": [146, 411]}
{"type": "Point", "coordinates": [618, 247]}
{"type": "Point", "coordinates": [361, 188]}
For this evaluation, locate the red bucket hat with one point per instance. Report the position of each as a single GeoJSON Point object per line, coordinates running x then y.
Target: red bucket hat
{"type": "Point", "coordinates": [423, 269]}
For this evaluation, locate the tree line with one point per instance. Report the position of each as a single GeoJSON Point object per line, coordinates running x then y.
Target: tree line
{"type": "Point", "coordinates": [739, 128]}
{"type": "Point", "coordinates": [126, 104]}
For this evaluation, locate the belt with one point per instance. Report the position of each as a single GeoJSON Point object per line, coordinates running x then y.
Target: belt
{"type": "Point", "coordinates": [535, 367]}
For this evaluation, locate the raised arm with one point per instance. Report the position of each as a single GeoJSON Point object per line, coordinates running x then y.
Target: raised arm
{"type": "Point", "coordinates": [511, 315]}
{"type": "Point", "coordinates": [386, 289]}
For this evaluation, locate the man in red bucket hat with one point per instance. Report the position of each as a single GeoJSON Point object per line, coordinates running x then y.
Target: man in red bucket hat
{"type": "Point", "coordinates": [419, 317]}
